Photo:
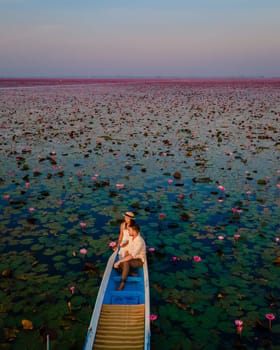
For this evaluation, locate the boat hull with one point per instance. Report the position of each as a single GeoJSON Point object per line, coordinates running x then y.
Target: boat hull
{"type": "Point", "coordinates": [121, 319]}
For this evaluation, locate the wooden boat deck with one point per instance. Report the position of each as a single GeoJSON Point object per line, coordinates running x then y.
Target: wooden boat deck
{"type": "Point", "coordinates": [120, 326]}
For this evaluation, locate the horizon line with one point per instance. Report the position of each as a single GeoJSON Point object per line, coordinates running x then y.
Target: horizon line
{"type": "Point", "coordinates": [139, 77]}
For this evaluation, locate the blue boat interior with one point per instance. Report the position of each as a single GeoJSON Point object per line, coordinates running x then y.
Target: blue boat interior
{"type": "Point", "coordinates": [133, 292]}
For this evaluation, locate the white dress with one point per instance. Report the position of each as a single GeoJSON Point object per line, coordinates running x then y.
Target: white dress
{"type": "Point", "coordinates": [125, 239]}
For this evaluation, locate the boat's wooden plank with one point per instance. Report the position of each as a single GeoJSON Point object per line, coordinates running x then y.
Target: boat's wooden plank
{"type": "Point", "coordinates": [119, 308]}
{"type": "Point", "coordinates": [118, 347]}
{"type": "Point", "coordinates": [120, 327]}
{"type": "Point", "coordinates": [116, 343]}
{"type": "Point", "coordinates": [123, 309]}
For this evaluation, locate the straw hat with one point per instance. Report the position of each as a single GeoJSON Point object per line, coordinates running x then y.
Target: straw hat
{"type": "Point", "coordinates": [129, 214]}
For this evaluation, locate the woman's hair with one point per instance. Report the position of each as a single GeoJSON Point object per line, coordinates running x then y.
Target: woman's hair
{"type": "Point", "coordinates": [131, 223]}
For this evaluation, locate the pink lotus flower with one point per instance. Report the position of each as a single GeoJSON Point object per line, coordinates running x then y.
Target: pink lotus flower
{"type": "Point", "coordinates": [60, 202]}
{"type": "Point", "coordinates": [197, 258]}
{"type": "Point", "coordinates": [6, 196]}
{"type": "Point", "coordinates": [112, 244]}
{"type": "Point", "coordinates": [151, 249]}
{"type": "Point", "coordinates": [238, 323]}
{"type": "Point", "coordinates": [270, 318]}
{"type": "Point", "coordinates": [27, 184]}
{"type": "Point", "coordinates": [120, 185]}
{"type": "Point", "coordinates": [83, 251]}
{"type": "Point", "coordinates": [31, 210]}
{"type": "Point", "coordinates": [175, 258]}
{"type": "Point", "coordinates": [222, 188]}
{"type": "Point", "coordinates": [239, 326]}
{"type": "Point", "coordinates": [236, 236]}
{"type": "Point", "coordinates": [161, 216]}
{"type": "Point", "coordinates": [83, 224]}
{"type": "Point", "coordinates": [170, 181]}
{"type": "Point", "coordinates": [72, 289]}
{"type": "Point", "coordinates": [153, 317]}
{"type": "Point", "coordinates": [236, 210]}
{"type": "Point", "coordinates": [278, 186]}
{"type": "Point", "coordinates": [221, 238]}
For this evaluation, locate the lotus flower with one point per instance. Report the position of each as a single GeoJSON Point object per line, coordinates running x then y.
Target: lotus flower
{"type": "Point", "coordinates": [197, 258]}
{"type": "Point", "coordinates": [112, 244]}
{"type": "Point", "coordinates": [270, 318]}
{"type": "Point", "coordinates": [120, 185]}
{"type": "Point", "coordinates": [83, 251]}
{"type": "Point", "coordinates": [239, 326]}
{"type": "Point", "coordinates": [153, 317]}
{"type": "Point", "coordinates": [83, 226]}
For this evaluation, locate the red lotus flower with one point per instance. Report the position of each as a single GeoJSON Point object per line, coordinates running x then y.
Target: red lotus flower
{"type": "Point", "coordinates": [270, 318]}
{"type": "Point", "coordinates": [197, 258]}
{"type": "Point", "coordinates": [153, 317]}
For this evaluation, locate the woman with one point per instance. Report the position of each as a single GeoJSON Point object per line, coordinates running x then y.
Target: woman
{"type": "Point", "coordinates": [129, 220]}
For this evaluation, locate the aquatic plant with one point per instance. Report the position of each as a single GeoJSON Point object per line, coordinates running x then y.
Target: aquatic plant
{"type": "Point", "coordinates": [270, 317]}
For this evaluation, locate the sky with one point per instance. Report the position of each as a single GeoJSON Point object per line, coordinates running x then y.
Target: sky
{"type": "Point", "coordinates": [139, 38]}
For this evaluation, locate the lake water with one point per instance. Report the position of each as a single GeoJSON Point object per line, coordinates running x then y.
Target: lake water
{"type": "Point", "coordinates": [198, 163]}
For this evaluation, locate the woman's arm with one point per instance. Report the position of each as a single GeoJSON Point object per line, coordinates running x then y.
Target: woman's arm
{"type": "Point", "coordinates": [121, 233]}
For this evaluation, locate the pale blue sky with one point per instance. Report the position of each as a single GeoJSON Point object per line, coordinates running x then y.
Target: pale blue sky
{"type": "Point", "coordinates": [198, 38]}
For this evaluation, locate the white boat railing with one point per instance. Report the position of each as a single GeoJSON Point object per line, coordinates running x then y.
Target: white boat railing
{"type": "Point", "coordinates": [147, 307]}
